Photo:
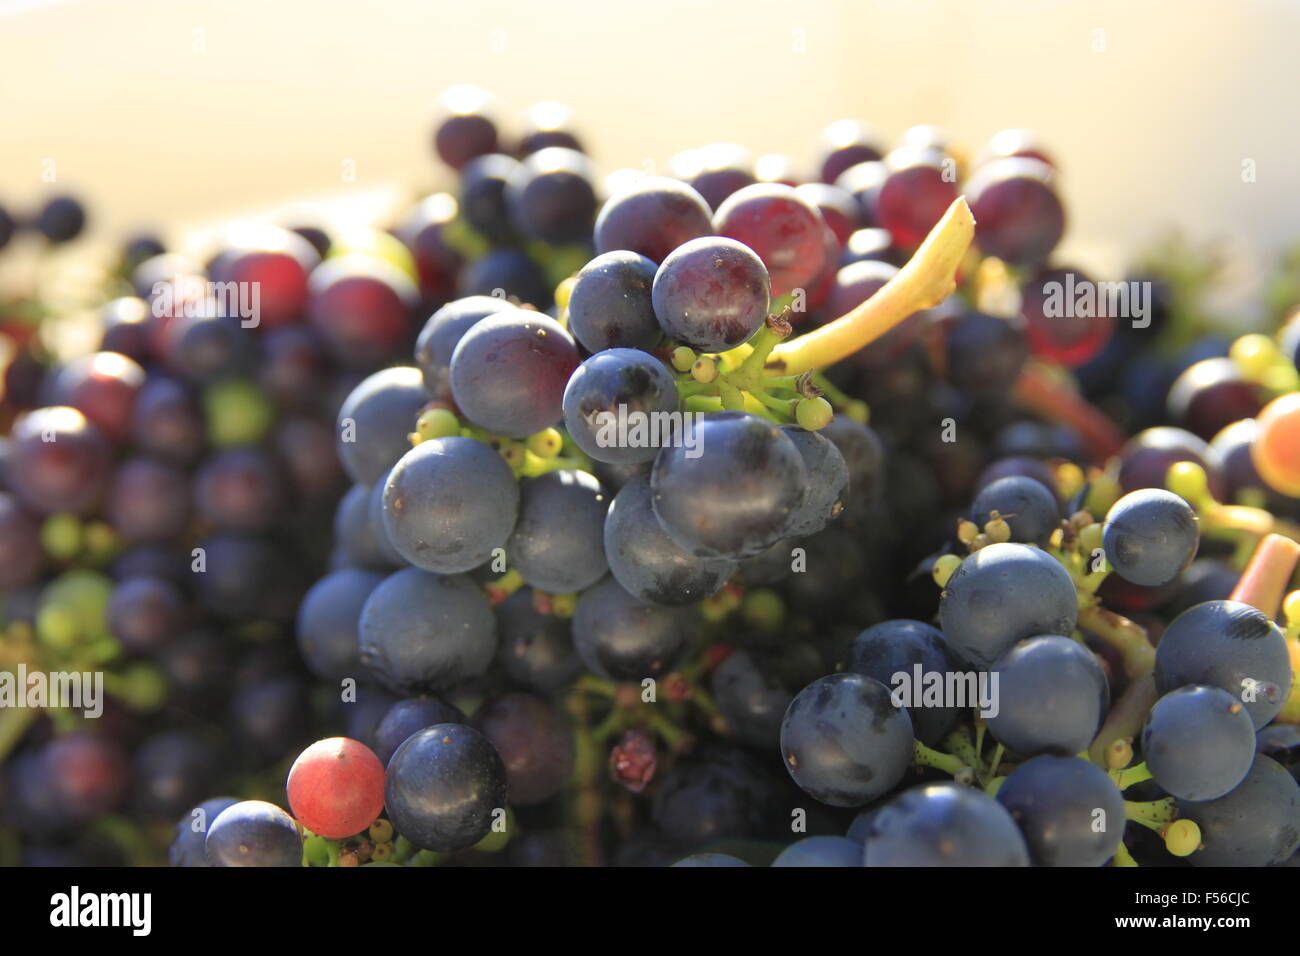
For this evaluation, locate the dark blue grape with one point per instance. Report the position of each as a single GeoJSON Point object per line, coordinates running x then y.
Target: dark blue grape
{"type": "Point", "coordinates": [710, 860]}
{"type": "Point", "coordinates": [1028, 507]}
{"type": "Point", "coordinates": [375, 420]}
{"type": "Point", "coordinates": [944, 824]}
{"type": "Point", "coordinates": [509, 371]}
{"type": "Point", "coordinates": [1229, 645]}
{"type": "Point", "coordinates": [173, 769]}
{"type": "Point", "coordinates": [1004, 593]}
{"type": "Point", "coordinates": [647, 562]}
{"type": "Point", "coordinates": [897, 647]}
{"type": "Point", "coordinates": [187, 849]}
{"type": "Point", "coordinates": [865, 456]}
{"type": "Point", "coordinates": [424, 632]}
{"type": "Point", "coordinates": [736, 493]}
{"type": "Point", "coordinates": [61, 219]}
{"type": "Point", "coordinates": [239, 489]}
{"type": "Point", "coordinates": [483, 195]}
{"type": "Point", "coordinates": [535, 743]}
{"type": "Point", "coordinates": [751, 699]}
{"type": "Point", "coordinates": [1150, 536]}
{"type": "Point", "coordinates": [254, 833]}
{"type": "Point", "coordinates": [167, 423]}
{"type": "Point", "coordinates": [443, 332]}
{"type": "Point", "coordinates": [145, 613]}
{"type": "Point", "coordinates": [1069, 810]}
{"type": "Point", "coordinates": [442, 787]}
{"type": "Point", "coordinates": [327, 622]}
{"type": "Point", "coordinates": [652, 218]}
{"type": "Point", "coordinates": [1051, 697]}
{"type": "Point", "coordinates": [552, 196]}
{"type": "Point", "coordinates": [536, 649]}
{"type": "Point", "coordinates": [448, 503]}
{"type": "Point", "coordinates": [715, 794]}
{"type": "Point", "coordinates": [610, 304]}
{"type": "Point", "coordinates": [828, 481]}
{"type": "Point", "coordinates": [506, 272]}
{"type": "Point", "coordinates": [620, 385]}
{"type": "Point", "coordinates": [469, 129]}
{"type": "Point", "coordinates": [547, 124]}
{"type": "Point", "coordinates": [844, 742]}
{"type": "Point", "coordinates": [622, 639]}
{"type": "Point", "coordinates": [1198, 742]}
{"type": "Point", "coordinates": [985, 354]}
{"type": "Point", "coordinates": [1257, 823]}
{"type": "Point", "coordinates": [711, 293]}
{"type": "Point", "coordinates": [821, 851]}
{"type": "Point", "coordinates": [845, 144]}
{"type": "Point", "coordinates": [354, 535]}
{"type": "Point", "coordinates": [558, 542]}
{"type": "Point", "coordinates": [410, 716]}
{"type": "Point", "coordinates": [715, 171]}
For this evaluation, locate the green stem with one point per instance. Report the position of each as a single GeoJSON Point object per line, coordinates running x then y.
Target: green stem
{"type": "Point", "coordinates": [1131, 776]}
{"type": "Point", "coordinates": [924, 756]}
{"type": "Point", "coordinates": [1123, 857]}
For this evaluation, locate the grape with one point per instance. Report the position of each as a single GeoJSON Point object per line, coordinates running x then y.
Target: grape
{"type": "Point", "coordinates": [710, 860]}
{"type": "Point", "coordinates": [863, 182]}
{"type": "Point", "coordinates": [1229, 645]}
{"type": "Point", "coordinates": [1069, 810]}
{"type": "Point", "coordinates": [1232, 450]}
{"type": "Point", "coordinates": [327, 622]}
{"type": "Point", "coordinates": [167, 422]}
{"type": "Point", "coordinates": [737, 495]}
{"type": "Point", "coordinates": [449, 503]}
{"type": "Point", "coordinates": [425, 632]}
{"type": "Point", "coordinates": [916, 193]}
{"type": "Point", "coordinates": [622, 639]}
{"type": "Point", "coordinates": [304, 447]}
{"type": "Point", "coordinates": [22, 557]}
{"type": "Point", "coordinates": [1210, 395]}
{"type": "Point", "coordinates": [361, 305]}
{"type": "Point", "coordinates": [547, 124]}
{"type": "Point", "coordinates": [1150, 536]}
{"type": "Point", "coordinates": [293, 369]}
{"type": "Point", "coordinates": [715, 171]}
{"type": "Point", "coordinates": [647, 562]}
{"type": "Point", "coordinates": [1052, 696]}
{"type": "Point", "coordinates": [557, 544]}
{"type": "Point", "coordinates": [61, 219]}
{"type": "Point", "coordinates": [821, 851]}
{"type": "Point", "coordinates": [355, 535]}
{"type": "Point", "coordinates": [711, 294]}
{"type": "Point", "coordinates": [1059, 327]}
{"type": "Point", "coordinates": [173, 769]}
{"type": "Point", "coordinates": [1257, 823]}
{"type": "Point", "coordinates": [943, 824]}
{"type": "Point", "coordinates": [425, 233]}
{"type": "Point", "coordinates": [1018, 215]}
{"type": "Point", "coordinates": [828, 481]}
{"type": "Point", "coordinates": [985, 354]}
{"type": "Point", "coordinates": [389, 555]}
{"type": "Point", "coordinates": [126, 328]}
{"type": "Point", "coordinates": [509, 371]}
{"type": "Point", "coordinates": [1198, 742]}
{"type": "Point", "coordinates": [102, 386]}
{"type": "Point", "coordinates": [535, 744]}
{"type": "Point", "coordinates": [1274, 450]}
{"type": "Point", "coordinates": [845, 144]}
{"type": "Point", "coordinates": [145, 613]}
{"type": "Point", "coordinates": [652, 219]}
{"type": "Point", "coordinates": [715, 794]}
{"type": "Point", "coordinates": [1028, 507]}
{"type": "Point", "coordinates": [782, 227]}
{"type": "Point", "coordinates": [59, 461]}
{"type": "Point", "coordinates": [483, 194]}
{"type": "Point", "coordinates": [615, 384]}
{"type": "Point", "coordinates": [470, 128]}
{"type": "Point", "coordinates": [897, 647]}
{"type": "Point", "coordinates": [844, 742]}
{"type": "Point", "coordinates": [239, 489]}
{"type": "Point", "coordinates": [336, 787]}
{"type": "Point", "coordinates": [276, 262]}
{"type": "Point", "coordinates": [188, 849]}
{"type": "Point", "coordinates": [865, 457]}
{"type": "Point", "coordinates": [86, 774]}
{"type": "Point", "coordinates": [407, 717]}
{"type": "Point", "coordinates": [838, 208]}
{"type": "Point", "coordinates": [443, 787]}
{"type": "Point", "coordinates": [506, 272]}
{"type": "Point", "coordinates": [752, 702]}
{"type": "Point", "coordinates": [267, 717]}
{"type": "Point", "coordinates": [441, 334]}
{"type": "Point", "coordinates": [536, 649]}
{"type": "Point", "coordinates": [552, 196]}
{"type": "Point", "coordinates": [1147, 456]}
{"type": "Point", "coordinates": [610, 304]}
{"type": "Point", "coordinates": [253, 833]}
{"type": "Point", "coordinates": [869, 245]}
{"type": "Point", "coordinates": [1002, 594]}
{"type": "Point", "coordinates": [375, 420]}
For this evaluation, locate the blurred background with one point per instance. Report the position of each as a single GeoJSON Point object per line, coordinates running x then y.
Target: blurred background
{"type": "Point", "coordinates": [170, 114]}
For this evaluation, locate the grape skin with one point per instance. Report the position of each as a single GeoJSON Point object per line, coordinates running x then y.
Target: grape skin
{"type": "Point", "coordinates": [551, 197]}
{"type": "Point", "coordinates": [1150, 537]}
{"type": "Point", "coordinates": [606, 382]}
{"type": "Point", "coordinates": [448, 503]}
{"type": "Point", "coordinates": [1052, 697]}
{"type": "Point", "coordinates": [408, 717]}
{"type": "Point", "coordinates": [622, 639]}
{"type": "Point", "coordinates": [647, 562]}
{"type": "Point", "coordinates": [253, 833]}
{"type": "Point", "coordinates": [327, 622]}
{"type": "Point", "coordinates": [1054, 801]}
{"type": "Point", "coordinates": [711, 293]}
{"type": "Point", "coordinates": [1257, 823]}
{"type": "Point", "coordinates": [558, 542]}
{"type": "Point", "coordinates": [943, 825]}
{"type": "Point", "coordinates": [828, 481]}
{"type": "Point", "coordinates": [610, 303]}
{"type": "Point", "coordinates": [1029, 509]}
{"type": "Point", "coordinates": [441, 334]}
{"type": "Point", "coordinates": [1198, 742]}
{"type": "Point", "coordinates": [652, 219]}
{"type": "Point", "coordinates": [821, 851]}
{"type": "Point", "coordinates": [738, 496]}
{"type": "Point", "coordinates": [537, 650]}
{"type": "Point", "coordinates": [1227, 644]}
{"type": "Point", "coordinates": [1001, 594]}
{"type": "Point", "coordinates": [534, 742]}
{"type": "Point", "coordinates": [891, 647]}
{"type": "Point", "coordinates": [843, 740]}
{"type": "Point", "coordinates": [781, 226]}
{"type": "Point", "coordinates": [753, 703]}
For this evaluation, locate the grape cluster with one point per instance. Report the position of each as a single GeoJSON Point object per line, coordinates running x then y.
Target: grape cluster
{"type": "Point", "coordinates": [722, 518]}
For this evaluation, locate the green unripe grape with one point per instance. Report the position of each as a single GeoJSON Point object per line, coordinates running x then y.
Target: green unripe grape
{"type": "Point", "coordinates": [763, 608]}
{"type": "Point", "coordinates": [683, 358]}
{"type": "Point", "coordinates": [436, 423]}
{"type": "Point", "coordinates": [315, 851]}
{"type": "Point", "coordinates": [61, 536]}
{"type": "Point", "coordinates": [813, 413]}
{"type": "Point", "coordinates": [944, 567]}
{"type": "Point", "coordinates": [546, 444]}
{"type": "Point", "coordinates": [238, 413]}
{"type": "Point", "coordinates": [143, 687]}
{"type": "Point", "coordinates": [381, 831]}
{"type": "Point", "coordinates": [1182, 837]}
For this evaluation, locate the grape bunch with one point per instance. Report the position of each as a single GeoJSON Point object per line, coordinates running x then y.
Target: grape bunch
{"type": "Point", "coordinates": [728, 517]}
